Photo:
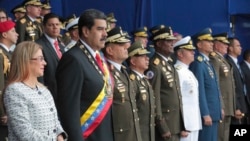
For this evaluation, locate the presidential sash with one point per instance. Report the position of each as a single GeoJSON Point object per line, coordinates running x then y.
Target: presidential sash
{"type": "Point", "coordinates": [94, 115]}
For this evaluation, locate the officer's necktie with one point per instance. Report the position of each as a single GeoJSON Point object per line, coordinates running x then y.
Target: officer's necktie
{"type": "Point", "coordinates": [58, 52]}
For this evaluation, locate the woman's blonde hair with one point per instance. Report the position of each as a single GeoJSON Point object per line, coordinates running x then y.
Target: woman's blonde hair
{"type": "Point", "coordinates": [19, 68]}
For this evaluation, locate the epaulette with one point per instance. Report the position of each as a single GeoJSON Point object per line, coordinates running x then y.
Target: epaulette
{"type": "Point", "coordinates": [23, 20]}
{"type": "Point", "coordinates": [132, 77]}
{"type": "Point", "coordinates": [199, 58]}
{"type": "Point", "coordinates": [178, 67]}
{"type": "Point", "coordinates": [170, 59]}
{"type": "Point", "coordinates": [213, 54]}
{"type": "Point", "coordinates": [156, 61]}
{"type": "Point", "coordinates": [39, 20]}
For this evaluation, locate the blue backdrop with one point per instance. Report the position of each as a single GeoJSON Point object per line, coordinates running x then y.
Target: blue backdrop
{"type": "Point", "coordinates": [184, 16]}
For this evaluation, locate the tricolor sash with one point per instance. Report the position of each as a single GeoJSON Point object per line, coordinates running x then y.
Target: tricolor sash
{"type": "Point", "coordinates": [94, 115]}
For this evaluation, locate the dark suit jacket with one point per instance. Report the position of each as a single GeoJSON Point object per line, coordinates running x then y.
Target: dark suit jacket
{"type": "Point", "coordinates": [51, 59]}
{"type": "Point", "coordinates": [239, 84]}
{"type": "Point", "coordinates": [79, 83]}
{"type": "Point", "coordinates": [246, 72]}
{"type": "Point", "coordinates": [165, 82]}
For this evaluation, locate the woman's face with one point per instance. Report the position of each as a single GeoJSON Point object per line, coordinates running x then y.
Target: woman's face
{"type": "Point", "coordinates": [37, 64]}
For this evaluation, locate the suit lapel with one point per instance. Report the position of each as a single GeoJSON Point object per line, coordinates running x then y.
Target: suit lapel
{"type": "Point", "coordinates": [50, 47]}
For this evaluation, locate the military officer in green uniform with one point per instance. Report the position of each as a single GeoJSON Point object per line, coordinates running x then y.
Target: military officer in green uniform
{"type": "Point", "coordinates": [124, 110]}
{"type": "Point", "coordinates": [29, 27]}
{"type": "Point", "coordinates": [165, 83]}
{"type": "Point", "coordinates": [18, 11]}
{"type": "Point", "coordinates": [138, 62]}
{"type": "Point", "coordinates": [224, 73]}
{"type": "Point", "coordinates": [111, 21]}
{"type": "Point", "coordinates": [8, 37]}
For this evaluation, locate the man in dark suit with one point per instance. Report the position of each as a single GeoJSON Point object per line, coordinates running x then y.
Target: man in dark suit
{"type": "Point", "coordinates": [84, 87]}
{"type": "Point", "coordinates": [124, 111]}
{"type": "Point", "coordinates": [245, 67]}
{"type": "Point", "coordinates": [165, 82]}
{"type": "Point", "coordinates": [209, 94]}
{"type": "Point", "coordinates": [52, 54]}
{"type": "Point", "coordinates": [8, 37]}
{"type": "Point", "coordinates": [28, 27]}
{"type": "Point", "coordinates": [234, 50]}
{"type": "Point", "coordinates": [224, 73]}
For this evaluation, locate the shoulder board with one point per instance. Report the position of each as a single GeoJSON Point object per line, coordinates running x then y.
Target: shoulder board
{"type": "Point", "coordinates": [132, 76]}
{"type": "Point", "coordinates": [178, 67]}
{"type": "Point", "coordinates": [39, 20]}
{"type": "Point", "coordinates": [199, 58]}
{"type": "Point", "coordinates": [156, 61]}
{"type": "Point", "coordinates": [23, 20]}
{"type": "Point", "coordinates": [170, 59]}
{"type": "Point", "coordinates": [213, 54]}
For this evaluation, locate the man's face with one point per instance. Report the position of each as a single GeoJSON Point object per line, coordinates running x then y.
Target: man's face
{"type": "Point", "coordinates": [220, 47]}
{"type": "Point", "coordinates": [11, 35]}
{"type": "Point", "coordinates": [19, 15]}
{"type": "Point", "coordinates": [236, 48]}
{"type": "Point", "coordinates": [144, 41]}
{"type": "Point", "coordinates": [52, 27]}
{"type": "Point", "coordinates": [96, 36]}
{"type": "Point", "coordinates": [186, 55]}
{"type": "Point", "coordinates": [166, 47]}
{"type": "Point", "coordinates": [34, 11]}
{"type": "Point", "coordinates": [45, 11]}
{"type": "Point", "coordinates": [205, 46]}
{"type": "Point", "coordinates": [141, 62]}
{"type": "Point", "coordinates": [119, 51]}
{"type": "Point", "coordinates": [3, 17]}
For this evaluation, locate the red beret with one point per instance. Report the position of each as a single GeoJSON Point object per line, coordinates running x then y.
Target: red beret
{"type": "Point", "coordinates": [6, 26]}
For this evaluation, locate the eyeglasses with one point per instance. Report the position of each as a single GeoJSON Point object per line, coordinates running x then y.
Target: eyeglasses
{"type": "Point", "coordinates": [3, 18]}
{"type": "Point", "coordinates": [40, 58]}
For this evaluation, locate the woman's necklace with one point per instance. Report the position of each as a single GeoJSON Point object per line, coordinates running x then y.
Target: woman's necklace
{"type": "Point", "coordinates": [35, 88]}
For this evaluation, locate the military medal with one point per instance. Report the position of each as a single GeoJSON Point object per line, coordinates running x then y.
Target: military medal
{"type": "Point", "coordinates": [163, 62]}
{"type": "Point", "coordinates": [210, 72]}
{"type": "Point", "coordinates": [169, 68]}
{"type": "Point", "coordinates": [144, 97]}
{"type": "Point", "coordinates": [164, 69]}
{"type": "Point", "coordinates": [123, 97]}
{"type": "Point", "coordinates": [143, 83]}
{"type": "Point", "coordinates": [117, 74]}
{"type": "Point", "coordinates": [170, 84]}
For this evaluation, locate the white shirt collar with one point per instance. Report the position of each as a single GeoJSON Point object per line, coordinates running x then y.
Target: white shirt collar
{"type": "Point", "coordinates": [92, 52]}
{"type": "Point", "coordinates": [166, 59]}
{"type": "Point", "coordinates": [141, 75]}
{"type": "Point", "coordinates": [5, 47]}
{"type": "Point", "coordinates": [51, 40]}
{"type": "Point", "coordinates": [234, 59]}
{"type": "Point", "coordinates": [178, 62]}
{"type": "Point", "coordinates": [116, 65]}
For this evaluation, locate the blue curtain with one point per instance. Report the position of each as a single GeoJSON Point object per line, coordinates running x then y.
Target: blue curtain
{"type": "Point", "coordinates": [184, 16]}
